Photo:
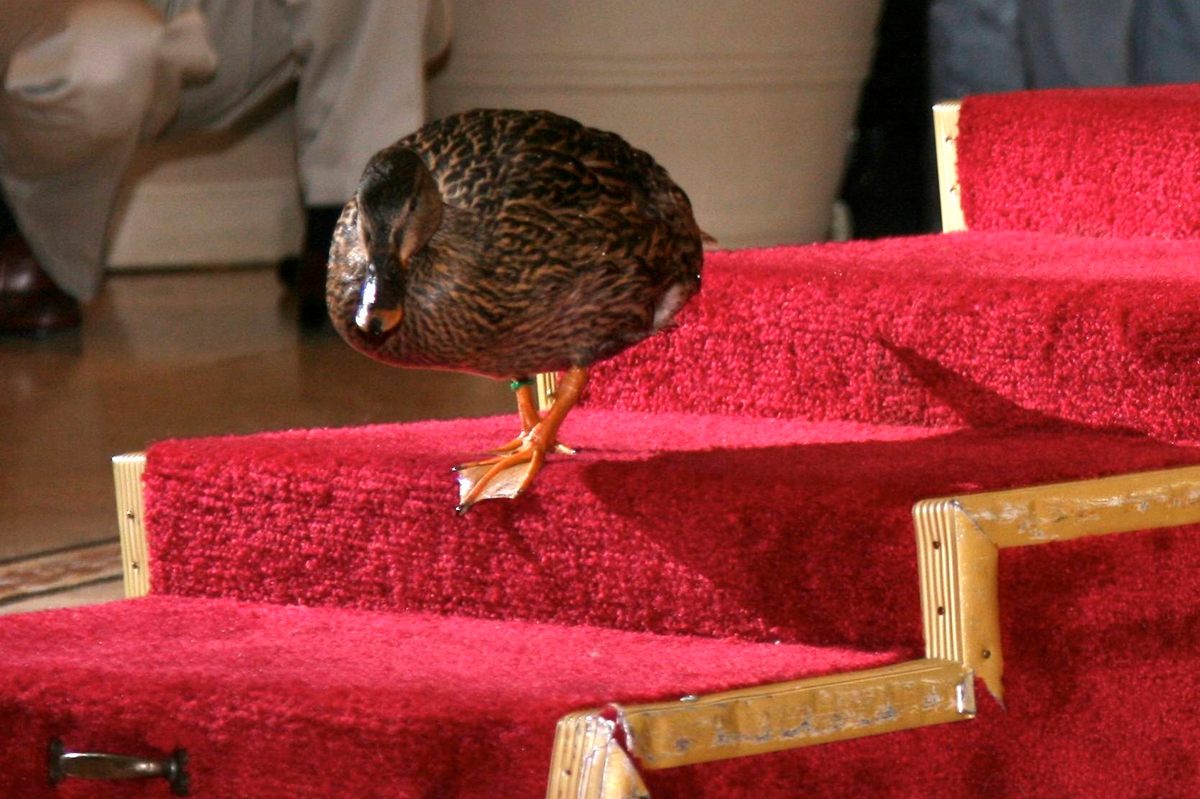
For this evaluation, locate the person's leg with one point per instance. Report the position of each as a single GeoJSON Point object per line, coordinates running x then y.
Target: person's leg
{"type": "Point", "coordinates": [361, 87]}
{"type": "Point", "coordinates": [257, 62]}
{"type": "Point", "coordinates": [974, 48]}
{"type": "Point", "coordinates": [80, 90]}
{"type": "Point", "coordinates": [1166, 42]}
{"type": "Point", "coordinates": [357, 66]}
{"type": "Point", "coordinates": [1077, 42]}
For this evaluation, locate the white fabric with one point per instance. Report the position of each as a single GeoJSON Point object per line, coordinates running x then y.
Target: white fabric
{"type": "Point", "coordinates": [86, 80]}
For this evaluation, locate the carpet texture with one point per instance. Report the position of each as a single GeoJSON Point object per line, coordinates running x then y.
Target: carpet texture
{"type": "Point", "coordinates": [758, 486]}
{"type": "Point", "coordinates": [1122, 162]}
{"type": "Point", "coordinates": [983, 329]}
{"type": "Point", "coordinates": [1101, 637]}
{"type": "Point", "coordinates": [762, 529]}
{"type": "Point", "coordinates": [273, 701]}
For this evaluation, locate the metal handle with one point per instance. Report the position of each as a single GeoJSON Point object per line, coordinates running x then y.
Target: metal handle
{"type": "Point", "coordinates": [102, 766]}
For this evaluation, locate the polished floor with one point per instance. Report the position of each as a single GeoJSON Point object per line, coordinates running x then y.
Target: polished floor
{"type": "Point", "coordinates": [164, 355]}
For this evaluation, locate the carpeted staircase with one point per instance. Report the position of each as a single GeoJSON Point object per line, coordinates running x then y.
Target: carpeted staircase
{"type": "Point", "coordinates": [321, 624]}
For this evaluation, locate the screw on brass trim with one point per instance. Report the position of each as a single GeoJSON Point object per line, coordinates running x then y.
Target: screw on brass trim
{"type": "Point", "coordinates": [987, 653]}
{"type": "Point", "coordinates": [937, 544]}
{"type": "Point", "coordinates": [130, 515]}
{"type": "Point", "coordinates": [941, 611]}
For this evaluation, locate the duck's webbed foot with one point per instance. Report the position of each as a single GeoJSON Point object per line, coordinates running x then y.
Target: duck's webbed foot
{"type": "Point", "coordinates": [504, 476]}
{"type": "Point", "coordinates": [509, 472]}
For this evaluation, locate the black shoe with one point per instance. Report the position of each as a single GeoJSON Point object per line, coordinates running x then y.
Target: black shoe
{"type": "Point", "coordinates": [307, 273]}
{"type": "Point", "coordinates": [30, 302]}
{"type": "Point", "coordinates": [310, 286]}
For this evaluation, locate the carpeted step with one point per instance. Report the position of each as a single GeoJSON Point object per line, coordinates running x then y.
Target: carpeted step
{"type": "Point", "coordinates": [709, 525]}
{"type": "Point", "coordinates": [750, 475]}
{"type": "Point", "coordinates": [272, 701]}
{"type": "Point", "coordinates": [1101, 641]}
{"type": "Point", "coordinates": [1113, 163]}
{"type": "Point", "coordinates": [979, 329]}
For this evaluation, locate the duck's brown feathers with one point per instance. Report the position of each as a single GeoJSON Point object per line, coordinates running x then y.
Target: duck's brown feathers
{"type": "Point", "coordinates": [558, 244]}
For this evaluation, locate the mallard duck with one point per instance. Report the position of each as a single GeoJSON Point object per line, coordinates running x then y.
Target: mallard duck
{"type": "Point", "coordinates": [509, 243]}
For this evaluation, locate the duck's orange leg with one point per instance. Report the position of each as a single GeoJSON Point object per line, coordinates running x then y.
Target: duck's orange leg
{"type": "Point", "coordinates": [512, 470]}
{"type": "Point", "coordinates": [528, 413]}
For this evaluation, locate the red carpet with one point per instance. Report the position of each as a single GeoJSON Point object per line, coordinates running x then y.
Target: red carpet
{"type": "Point", "coordinates": [704, 525]}
{"type": "Point", "coordinates": [750, 520]}
{"type": "Point", "coordinates": [804, 547]}
{"type": "Point", "coordinates": [981, 329]}
{"type": "Point", "coordinates": [273, 701]}
{"type": "Point", "coordinates": [739, 512]}
{"type": "Point", "coordinates": [1110, 162]}
{"type": "Point", "coordinates": [1101, 640]}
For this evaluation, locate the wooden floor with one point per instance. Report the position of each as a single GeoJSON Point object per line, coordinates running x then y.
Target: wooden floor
{"type": "Point", "coordinates": [165, 355]}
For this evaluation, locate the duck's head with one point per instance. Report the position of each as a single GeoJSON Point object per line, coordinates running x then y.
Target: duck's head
{"type": "Point", "coordinates": [399, 210]}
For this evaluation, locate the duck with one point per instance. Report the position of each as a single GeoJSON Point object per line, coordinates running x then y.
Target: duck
{"type": "Point", "coordinates": [509, 243]}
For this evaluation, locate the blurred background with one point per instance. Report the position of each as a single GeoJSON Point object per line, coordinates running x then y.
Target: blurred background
{"type": "Point", "coordinates": [787, 122]}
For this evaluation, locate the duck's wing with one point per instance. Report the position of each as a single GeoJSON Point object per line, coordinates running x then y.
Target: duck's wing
{"type": "Point", "coordinates": [538, 180]}
{"type": "Point", "coordinates": [572, 229]}
{"type": "Point", "coordinates": [591, 196]}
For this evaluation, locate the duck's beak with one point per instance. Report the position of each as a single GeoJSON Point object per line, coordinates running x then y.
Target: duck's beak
{"type": "Point", "coordinates": [372, 317]}
{"type": "Point", "coordinates": [377, 321]}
